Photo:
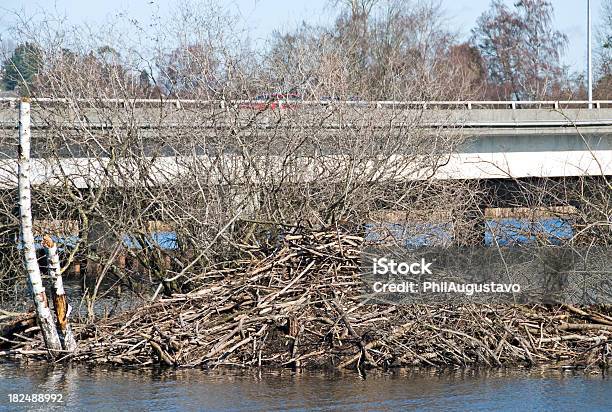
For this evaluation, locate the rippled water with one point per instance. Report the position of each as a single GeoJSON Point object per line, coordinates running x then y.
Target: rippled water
{"type": "Point", "coordinates": [124, 389]}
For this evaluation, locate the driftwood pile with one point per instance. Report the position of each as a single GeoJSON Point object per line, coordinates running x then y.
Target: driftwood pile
{"type": "Point", "coordinates": [301, 306]}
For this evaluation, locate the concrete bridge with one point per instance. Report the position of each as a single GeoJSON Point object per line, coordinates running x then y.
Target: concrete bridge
{"type": "Point", "coordinates": [499, 139]}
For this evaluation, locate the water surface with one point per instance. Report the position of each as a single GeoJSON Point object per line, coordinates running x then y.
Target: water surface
{"type": "Point", "coordinates": [128, 389]}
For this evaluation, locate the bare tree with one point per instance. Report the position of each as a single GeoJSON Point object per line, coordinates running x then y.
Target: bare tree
{"type": "Point", "coordinates": [39, 296]}
{"type": "Point", "coordinates": [521, 49]}
{"type": "Point", "coordinates": [216, 172]}
{"type": "Point", "coordinates": [217, 175]}
{"type": "Point", "coordinates": [376, 48]}
{"type": "Point", "coordinates": [603, 84]}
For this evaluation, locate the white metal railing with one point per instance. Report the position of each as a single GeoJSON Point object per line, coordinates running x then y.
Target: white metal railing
{"type": "Point", "coordinates": [439, 104]}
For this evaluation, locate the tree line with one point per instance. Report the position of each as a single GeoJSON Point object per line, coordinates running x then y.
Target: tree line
{"type": "Point", "coordinates": [371, 51]}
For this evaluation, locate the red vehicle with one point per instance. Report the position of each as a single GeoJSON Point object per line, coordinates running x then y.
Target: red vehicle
{"type": "Point", "coordinates": [272, 101]}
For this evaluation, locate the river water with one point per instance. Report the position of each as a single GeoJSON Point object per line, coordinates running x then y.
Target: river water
{"type": "Point", "coordinates": [100, 388]}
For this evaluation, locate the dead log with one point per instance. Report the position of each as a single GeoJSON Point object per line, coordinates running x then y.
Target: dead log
{"type": "Point", "coordinates": [60, 303]}
{"type": "Point", "coordinates": [15, 323]}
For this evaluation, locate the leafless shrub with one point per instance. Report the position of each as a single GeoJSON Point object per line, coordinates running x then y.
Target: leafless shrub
{"type": "Point", "coordinates": [218, 170]}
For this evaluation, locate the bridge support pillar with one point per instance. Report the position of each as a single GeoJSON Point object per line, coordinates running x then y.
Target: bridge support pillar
{"type": "Point", "coordinates": [101, 241]}
{"type": "Point", "coordinates": [247, 200]}
{"type": "Point", "coordinates": [470, 228]}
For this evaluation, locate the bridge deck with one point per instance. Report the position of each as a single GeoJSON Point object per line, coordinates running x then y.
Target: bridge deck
{"type": "Point", "coordinates": [535, 139]}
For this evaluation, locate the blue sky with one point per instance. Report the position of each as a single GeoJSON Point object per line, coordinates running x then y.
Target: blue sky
{"type": "Point", "coordinates": [264, 16]}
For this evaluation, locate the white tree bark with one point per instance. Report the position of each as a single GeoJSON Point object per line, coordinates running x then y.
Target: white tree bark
{"type": "Point", "coordinates": [60, 303]}
{"type": "Point", "coordinates": [45, 319]}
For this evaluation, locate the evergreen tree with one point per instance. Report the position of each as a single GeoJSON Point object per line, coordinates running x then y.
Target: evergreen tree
{"type": "Point", "coordinates": [21, 69]}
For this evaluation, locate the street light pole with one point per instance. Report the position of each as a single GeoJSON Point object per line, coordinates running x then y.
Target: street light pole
{"type": "Point", "coordinates": [589, 63]}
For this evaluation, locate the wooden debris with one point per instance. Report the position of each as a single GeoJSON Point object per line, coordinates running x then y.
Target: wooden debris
{"type": "Point", "coordinates": [300, 305]}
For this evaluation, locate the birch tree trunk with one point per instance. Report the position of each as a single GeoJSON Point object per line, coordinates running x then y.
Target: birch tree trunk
{"type": "Point", "coordinates": [45, 319]}
{"type": "Point", "coordinates": [60, 304]}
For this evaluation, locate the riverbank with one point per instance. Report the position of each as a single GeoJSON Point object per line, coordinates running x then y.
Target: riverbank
{"type": "Point", "coordinates": [302, 307]}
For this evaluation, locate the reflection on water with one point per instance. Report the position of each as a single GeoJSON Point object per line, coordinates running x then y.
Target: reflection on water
{"type": "Point", "coordinates": [125, 389]}
{"type": "Point", "coordinates": [512, 231]}
{"type": "Point", "coordinates": [498, 232]}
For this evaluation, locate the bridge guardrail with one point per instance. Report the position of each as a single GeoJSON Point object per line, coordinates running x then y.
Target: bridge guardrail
{"type": "Point", "coordinates": [395, 104]}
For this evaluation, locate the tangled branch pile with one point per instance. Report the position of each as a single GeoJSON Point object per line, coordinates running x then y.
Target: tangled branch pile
{"type": "Point", "coordinates": [301, 306]}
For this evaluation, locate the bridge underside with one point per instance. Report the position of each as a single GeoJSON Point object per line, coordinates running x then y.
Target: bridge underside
{"type": "Point", "coordinates": [534, 192]}
{"type": "Point", "coordinates": [90, 173]}
{"type": "Point", "coordinates": [571, 202]}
